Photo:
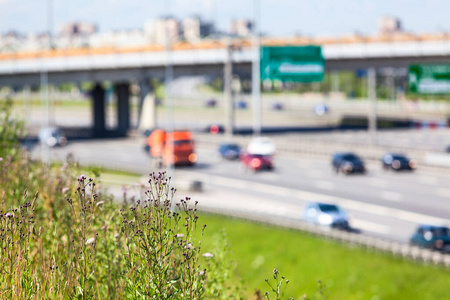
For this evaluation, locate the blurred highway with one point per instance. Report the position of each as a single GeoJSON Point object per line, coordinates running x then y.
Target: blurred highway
{"type": "Point", "coordinates": [381, 203]}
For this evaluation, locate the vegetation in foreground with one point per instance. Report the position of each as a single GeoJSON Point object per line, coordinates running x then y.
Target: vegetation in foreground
{"type": "Point", "coordinates": [61, 238]}
{"type": "Point", "coordinates": [346, 272]}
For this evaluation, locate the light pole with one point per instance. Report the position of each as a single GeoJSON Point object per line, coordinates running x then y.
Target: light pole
{"type": "Point", "coordinates": [169, 99]}
{"type": "Point", "coordinates": [372, 84]}
{"type": "Point", "coordinates": [256, 87]}
{"type": "Point", "coordinates": [45, 103]}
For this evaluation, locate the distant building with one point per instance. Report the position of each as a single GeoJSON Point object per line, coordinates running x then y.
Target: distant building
{"type": "Point", "coordinates": [194, 29]}
{"type": "Point", "coordinates": [241, 27]}
{"type": "Point", "coordinates": [156, 30]}
{"type": "Point", "coordinates": [389, 25]}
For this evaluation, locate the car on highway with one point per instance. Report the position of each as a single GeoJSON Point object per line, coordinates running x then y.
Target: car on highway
{"type": "Point", "coordinates": [326, 214]}
{"type": "Point", "coordinates": [241, 104]}
{"type": "Point", "coordinates": [347, 163]}
{"type": "Point", "coordinates": [256, 162]}
{"type": "Point", "coordinates": [52, 137]}
{"type": "Point", "coordinates": [261, 146]}
{"type": "Point", "coordinates": [397, 162]}
{"type": "Point", "coordinates": [432, 237]}
{"type": "Point", "coordinates": [321, 109]}
{"type": "Point", "coordinates": [229, 151]}
{"type": "Point", "coordinates": [211, 103]}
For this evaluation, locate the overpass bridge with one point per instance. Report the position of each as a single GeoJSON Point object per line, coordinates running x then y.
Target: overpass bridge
{"type": "Point", "coordinates": [140, 64]}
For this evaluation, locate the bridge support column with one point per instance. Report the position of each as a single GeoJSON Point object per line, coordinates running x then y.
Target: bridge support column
{"type": "Point", "coordinates": [98, 98]}
{"type": "Point", "coordinates": [123, 107]}
{"type": "Point", "coordinates": [147, 107]}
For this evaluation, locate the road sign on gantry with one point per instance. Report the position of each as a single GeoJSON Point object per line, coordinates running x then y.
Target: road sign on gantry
{"type": "Point", "coordinates": [429, 79]}
{"type": "Point", "coordinates": [293, 63]}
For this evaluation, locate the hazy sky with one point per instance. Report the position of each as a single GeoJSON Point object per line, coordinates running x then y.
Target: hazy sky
{"type": "Point", "coordinates": [278, 17]}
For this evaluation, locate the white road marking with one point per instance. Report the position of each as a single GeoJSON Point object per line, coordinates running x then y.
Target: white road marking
{"type": "Point", "coordinates": [443, 192]}
{"type": "Point", "coordinates": [428, 180]}
{"type": "Point", "coordinates": [377, 182]}
{"type": "Point", "coordinates": [269, 176]}
{"type": "Point", "coordinates": [325, 185]}
{"type": "Point", "coordinates": [391, 196]}
{"type": "Point", "coordinates": [314, 174]}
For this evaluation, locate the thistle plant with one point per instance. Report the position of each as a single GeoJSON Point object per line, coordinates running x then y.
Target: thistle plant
{"type": "Point", "coordinates": [162, 250]}
{"type": "Point", "coordinates": [277, 287]}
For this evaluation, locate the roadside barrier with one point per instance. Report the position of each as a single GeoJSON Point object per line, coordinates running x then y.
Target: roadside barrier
{"type": "Point", "coordinates": [371, 243]}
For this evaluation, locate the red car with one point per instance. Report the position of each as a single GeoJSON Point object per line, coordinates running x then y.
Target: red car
{"type": "Point", "coordinates": [257, 162]}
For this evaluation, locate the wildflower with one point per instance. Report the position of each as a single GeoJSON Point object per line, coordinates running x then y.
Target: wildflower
{"type": "Point", "coordinates": [207, 254]}
{"type": "Point", "coordinates": [90, 241]}
{"type": "Point", "coordinates": [99, 203]}
{"type": "Point", "coordinates": [179, 235]}
{"type": "Point", "coordinates": [65, 190]}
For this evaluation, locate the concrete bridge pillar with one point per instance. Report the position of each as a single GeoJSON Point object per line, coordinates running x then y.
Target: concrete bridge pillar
{"type": "Point", "coordinates": [98, 98]}
{"type": "Point", "coordinates": [147, 107]}
{"type": "Point", "coordinates": [123, 107]}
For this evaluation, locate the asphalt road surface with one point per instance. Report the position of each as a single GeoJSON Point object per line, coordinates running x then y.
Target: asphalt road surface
{"type": "Point", "coordinates": [381, 203]}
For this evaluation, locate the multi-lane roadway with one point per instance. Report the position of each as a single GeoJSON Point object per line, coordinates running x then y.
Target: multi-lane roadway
{"type": "Point", "coordinates": [381, 203]}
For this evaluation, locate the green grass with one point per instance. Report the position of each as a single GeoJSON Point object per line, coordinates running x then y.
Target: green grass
{"type": "Point", "coordinates": [348, 272]}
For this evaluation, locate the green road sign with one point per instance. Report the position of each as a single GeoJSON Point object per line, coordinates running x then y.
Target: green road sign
{"type": "Point", "coordinates": [293, 63]}
{"type": "Point", "coordinates": [429, 79]}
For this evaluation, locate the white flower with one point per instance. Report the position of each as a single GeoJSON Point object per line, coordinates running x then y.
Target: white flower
{"type": "Point", "coordinates": [90, 241]}
{"type": "Point", "coordinates": [179, 235]}
{"type": "Point", "coordinates": [99, 203]}
{"type": "Point", "coordinates": [207, 254]}
{"type": "Point", "coordinates": [65, 190]}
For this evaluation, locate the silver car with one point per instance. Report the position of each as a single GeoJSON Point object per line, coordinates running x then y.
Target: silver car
{"type": "Point", "coordinates": [326, 214]}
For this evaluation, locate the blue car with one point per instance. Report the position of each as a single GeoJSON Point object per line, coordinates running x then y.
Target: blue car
{"type": "Point", "coordinates": [432, 237]}
{"type": "Point", "coordinates": [229, 151]}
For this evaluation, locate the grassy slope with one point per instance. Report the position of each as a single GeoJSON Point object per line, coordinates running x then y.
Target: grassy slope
{"type": "Point", "coordinates": [349, 272]}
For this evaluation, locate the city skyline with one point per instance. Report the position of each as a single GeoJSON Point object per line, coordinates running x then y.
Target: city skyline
{"type": "Point", "coordinates": [278, 18]}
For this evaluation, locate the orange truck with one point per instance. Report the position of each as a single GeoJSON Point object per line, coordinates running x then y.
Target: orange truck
{"type": "Point", "coordinates": [172, 148]}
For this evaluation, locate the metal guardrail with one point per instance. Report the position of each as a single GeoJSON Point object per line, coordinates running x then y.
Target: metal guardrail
{"type": "Point", "coordinates": [395, 248]}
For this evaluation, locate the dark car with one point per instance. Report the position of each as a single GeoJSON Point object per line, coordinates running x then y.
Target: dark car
{"type": "Point", "coordinates": [241, 104]}
{"type": "Point", "coordinates": [277, 106]}
{"type": "Point", "coordinates": [398, 162]}
{"type": "Point", "coordinates": [326, 214]}
{"type": "Point", "coordinates": [211, 103]}
{"type": "Point", "coordinates": [432, 237]}
{"type": "Point", "coordinates": [348, 163]}
{"type": "Point", "coordinates": [229, 151]}
{"type": "Point", "coordinates": [257, 162]}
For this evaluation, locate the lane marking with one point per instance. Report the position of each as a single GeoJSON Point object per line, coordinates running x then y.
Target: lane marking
{"type": "Point", "coordinates": [325, 185]}
{"type": "Point", "coordinates": [377, 182]}
{"type": "Point", "coordinates": [391, 196]}
{"type": "Point", "coordinates": [431, 180]}
{"type": "Point", "coordinates": [412, 217]}
{"type": "Point", "coordinates": [314, 174]}
{"type": "Point", "coordinates": [443, 192]}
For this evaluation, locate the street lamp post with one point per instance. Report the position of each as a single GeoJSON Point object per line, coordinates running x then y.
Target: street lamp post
{"type": "Point", "coordinates": [256, 87]}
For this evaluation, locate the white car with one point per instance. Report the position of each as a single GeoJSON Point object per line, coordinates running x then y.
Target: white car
{"type": "Point", "coordinates": [261, 146]}
{"type": "Point", "coordinates": [52, 137]}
